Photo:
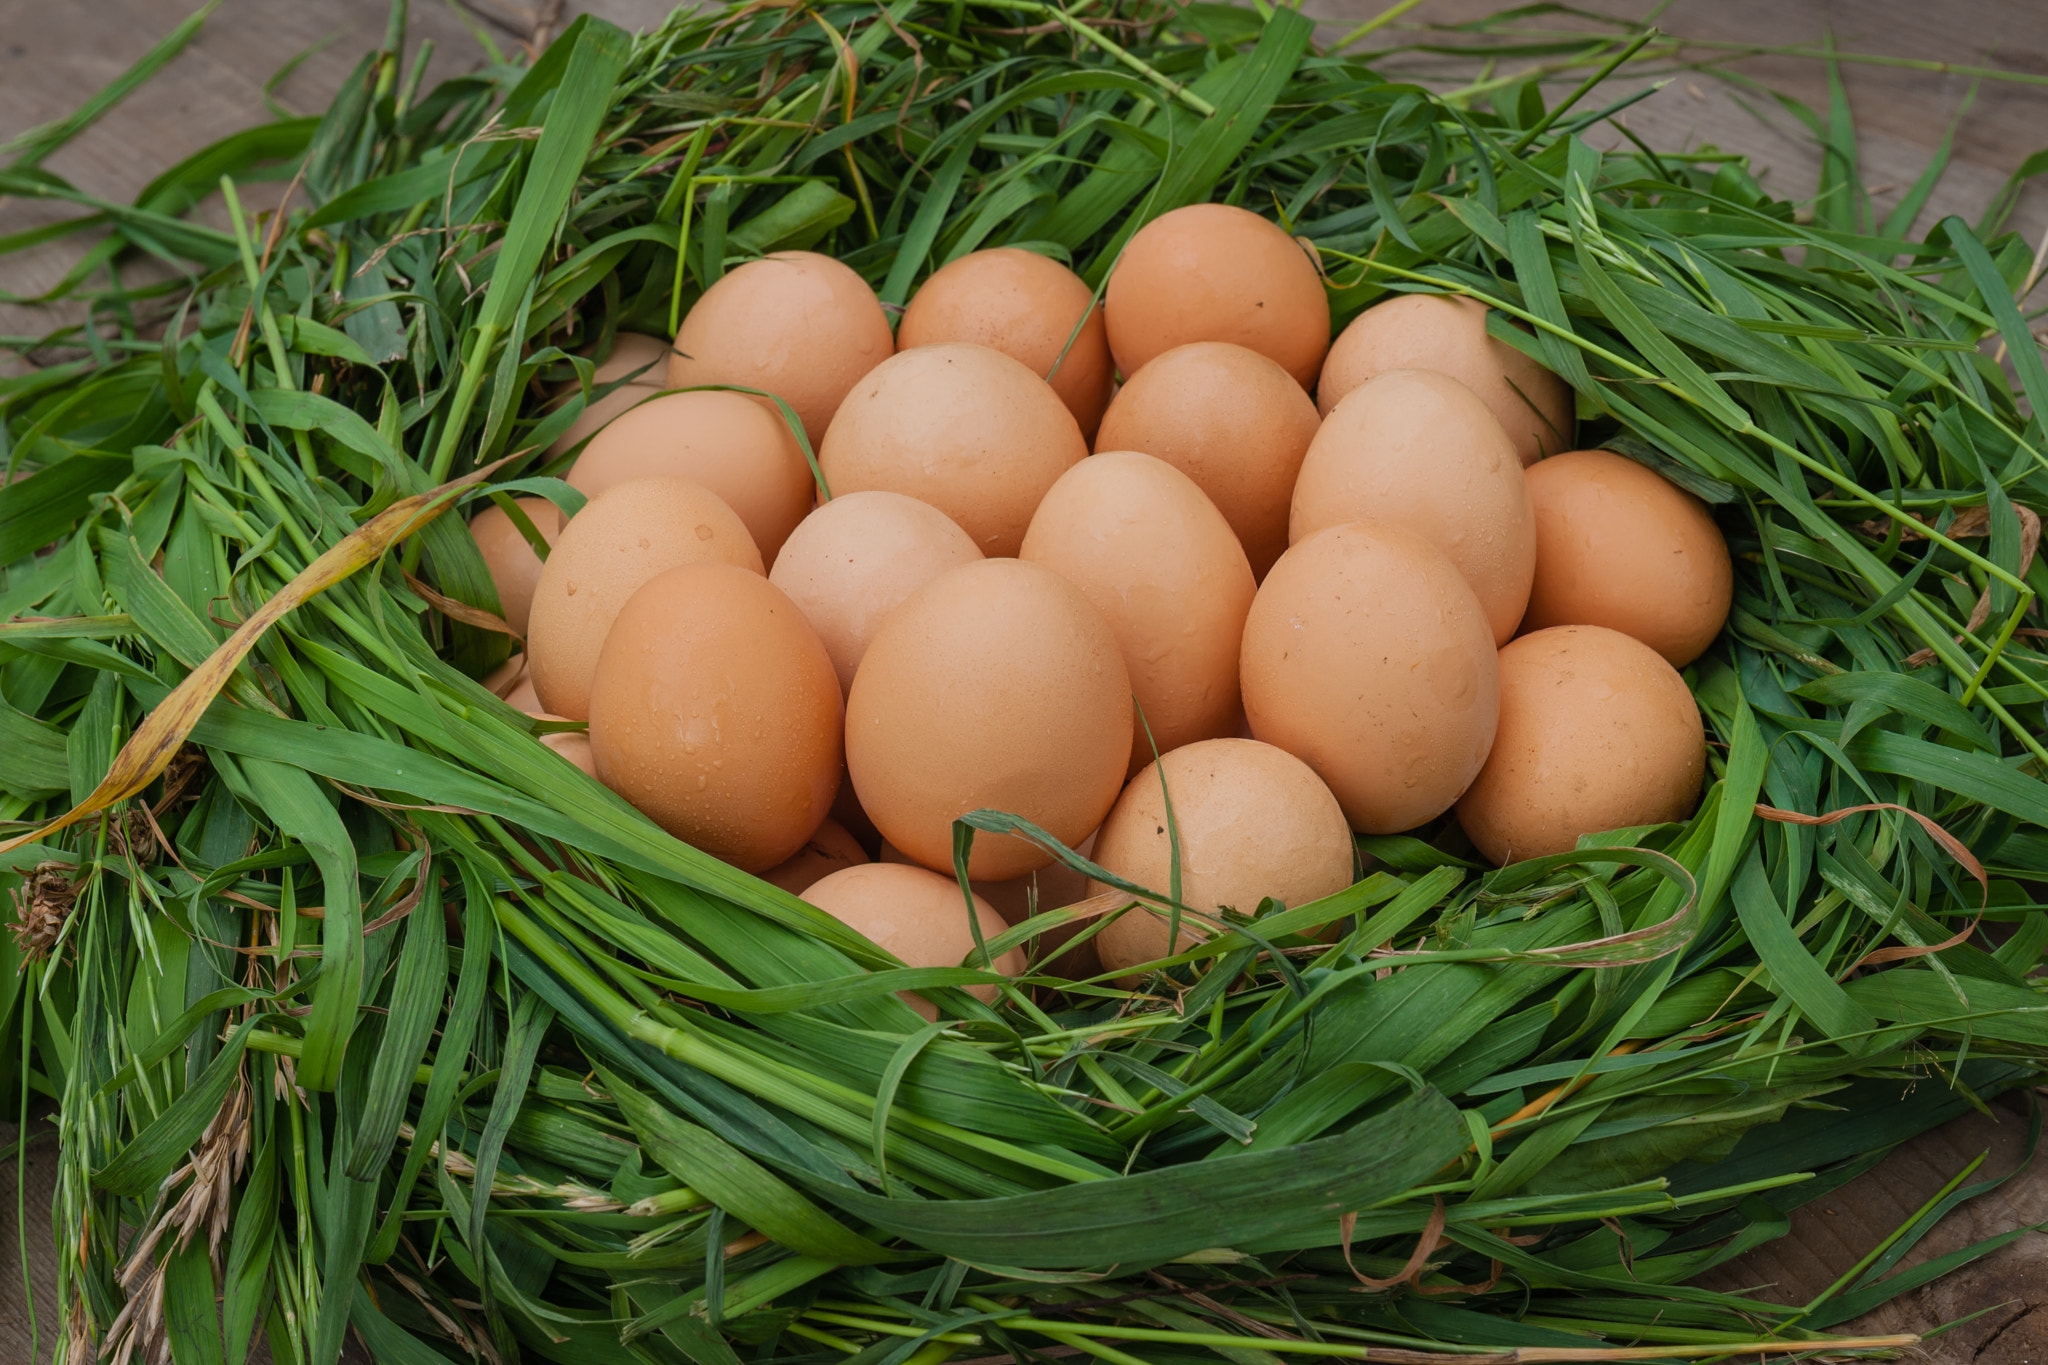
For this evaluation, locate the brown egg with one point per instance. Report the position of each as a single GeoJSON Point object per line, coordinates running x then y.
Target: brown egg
{"type": "Point", "coordinates": [1052, 887]}
{"type": "Point", "coordinates": [644, 358]}
{"type": "Point", "coordinates": [573, 745]}
{"type": "Point", "coordinates": [1026, 306]}
{"type": "Point", "coordinates": [847, 810]}
{"type": "Point", "coordinates": [1253, 821]}
{"type": "Point", "coordinates": [964, 428]}
{"type": "Point", "coordinates": [796, 324]}
{"type": "Point", "coordinates": [522, 697]}
{"type": "Point", "coordinates": [731, 444]}
{"type": "Point", "coordinates": [1156, 558]}
{"type": "Point", "coordinates": [715, 712]}
{"type": "Point", "coordinates": [514, 567]}
{"type": "Point", "coordinates": [918, 916]}
{"type": "Point", "coordinates": [1447, 334]}
{"type": "Point", "coordinates": [1619, 545]}
{"type": "Point", "coordinates": [830, 849]}
{"type": "Point", "coordinates": [995, 686]}
{"type": "Point", "coordinates": [1597, 732]}
{"type": "Point", "coordinates": [1209, 272]}
{"type": "Point", "coordinates": [1049, 888]}
{"type": "Point", "coordinates": [1231, 420]}
{"type": "Point", "coordinates": [506, 676]}
{"type": "Point", "coordinates": [1418, 449]}
{"type": "Point", "coordinates": [851, 562]}
{"type": "Point", "coordinates": [1367, 657]}
{"type": "Point", "coordinates": [621, 539]}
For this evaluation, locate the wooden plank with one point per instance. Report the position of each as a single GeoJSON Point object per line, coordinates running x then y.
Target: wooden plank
{"type": "Point", "coordinates": [1901, 113]}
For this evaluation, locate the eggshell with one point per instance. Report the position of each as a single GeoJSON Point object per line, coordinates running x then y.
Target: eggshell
{"type": "Point", "coordinates": [522, 697]}
{"type": "Point", "coordinates": [1619, 545]}
{"type": "Point", "coordinates": [1367, 657]}
{"type": "Point", "coordinates": [506, 676]}
{"type": "Point", "coordinates": [1156, 558]}
{"type": "Point", "coordinates": [918, 916]}
{"type": "Point", "coordinates": [1597, 732]}
{"type": "Point", "coordinates": [1447, 334]}
{"type": "Point", "coordinates": [514, 567]}
{"type": "Point", "coordinates": [715, 712]}
{"type": "Point", "coordinates": [641, 360]}
{"type": "Point", "coordinates": [830, 849]}
{"type": "Point", "coordinates": [1026, 306]}
{"type": "Point", "coordinates": [795, 324]}
{"type": "Point", "coordinates": [1253, 821]}
{"type": "Point", "coordinates": [1231, 420]}
{"type": "Point", "coordinates": [725, 441]}
{"type": "Point", "coordinates": [1052, 887]}
{"type": "Point", "coordinates": [620, 540]}
{"type": "Point", "coordinates": [964, 428]}
{"type": "Point", "coordinates": [1420, 450]}
{"type": "Point", "coordinates": [995, 686]}
{"type": "Point", "coordinates": [573, 745]}
{"type": "Point", "coordinates": [847, 810]}
{"type": "Point", "coordinates": [851, 562]}
{"type": "Point", "coordinates": [1210, 272]}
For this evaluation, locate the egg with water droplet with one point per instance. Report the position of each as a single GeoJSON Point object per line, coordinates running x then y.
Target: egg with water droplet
{"type": "Point", "coordinates": [995, 686]}
{"type": "Point", "coordinates": [1597, 732]}
{"type": "Point", "coordinates": [1211, 272]}
{"type": "Point", "coordinates": [917, 915]}
{"type": "Point", "coordinates": [1367, 656]}
{"type": "Point", "coordinates": [620, 540]}
{"type": "Point", "coordinates": [1155, 557]}
{"type": "Point", "coordinates": [1420, 450]}
{"type": "Point", "coordinates": [715, 711]}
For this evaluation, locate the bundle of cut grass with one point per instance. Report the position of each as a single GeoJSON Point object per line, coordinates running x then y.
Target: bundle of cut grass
{"type": "Point", "coordinates": [365, 1011]}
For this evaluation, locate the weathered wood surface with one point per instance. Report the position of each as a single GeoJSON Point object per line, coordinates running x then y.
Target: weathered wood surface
{"type": "Point", "coordinates": [53, 54]}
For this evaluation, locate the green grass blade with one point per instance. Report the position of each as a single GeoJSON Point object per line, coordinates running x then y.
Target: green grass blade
{"type": "Point", "coordinates": [29, 149]}
{"type": "Point", "coordinates": [144, 1164]}
{"type": "Point", "coordinates": [704, 1161]}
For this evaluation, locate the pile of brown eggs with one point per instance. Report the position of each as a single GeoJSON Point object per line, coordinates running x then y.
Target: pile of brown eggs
{"type": "Point", "coordinates": [1258, 618]}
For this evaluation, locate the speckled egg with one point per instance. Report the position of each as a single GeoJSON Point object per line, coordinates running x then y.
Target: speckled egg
{"type": "Point", "coordinates": [1028, 307]}
{"type": "Point", "coordinates": [830, 849]}
{"type": "Point", "coordinates": [1231, 420]}
{"type": "Point", "coordinates": [795, 324]}
{"type": "Point", "coordinates": [1253, 821]}
{"type": "Point", "coordinates": [1368, 657]}
{"type": "Point", "coordinates": [1156, 558]}
{"type": "Point", "coordinates": [1210, 272]}
{"type": "Point", "coordinates": [995, 686]}
{"type": "Point", "coordinates": [1597, 732]}
{"type": "Point", "coordinates": [619, 540]}
{"type": "Point", "coordinates": [514, 567]}
{"type": "Point", "coordinates": [964, 428]}
{"type": "Point", "coordinates": [640, 360]}
{"type": "Point", "coordinates": [854, 560]}
{"type": "Point", "coordinates": [1619, 545]}
{"type": "Point", "coordinates": [1420, 450]}
{"type": "Point", "coordinates": [714, 711]}
{"type": "Point", "coordinates": [1447, 333]}
{"type": "Point", "coordinates": [916, 915]}
{"type": "Point", "coordinates": [725, 441]}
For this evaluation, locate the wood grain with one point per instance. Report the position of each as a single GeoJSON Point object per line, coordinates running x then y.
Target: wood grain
{"type": "Point", "coordinates": [1901, 114]}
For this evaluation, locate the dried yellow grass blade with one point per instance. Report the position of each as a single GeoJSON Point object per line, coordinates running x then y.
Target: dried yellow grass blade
{"type": "Point", "coordinates": [150, 749]}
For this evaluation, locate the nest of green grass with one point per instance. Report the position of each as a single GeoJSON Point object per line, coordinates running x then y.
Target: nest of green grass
{"type": "Point", "coordinates": [366, 1014]}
